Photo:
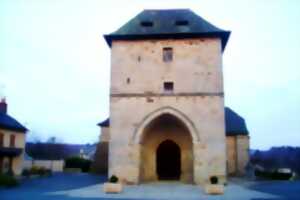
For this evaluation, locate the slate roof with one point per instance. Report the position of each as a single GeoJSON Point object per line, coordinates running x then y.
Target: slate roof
{"type": "Point", "coordinates": [167, 24]}
{"type": "Point", "coordinates": [104, 123]}
{"type": "Point", "coordinates": [7, 122]}
{"type": "Point", "coordinates": [234, 123]}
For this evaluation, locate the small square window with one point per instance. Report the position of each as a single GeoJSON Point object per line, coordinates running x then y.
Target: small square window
{"type": "Point", "coordinates": [168, 86]}
{"type": "Point", "coordinates": [167, 54]}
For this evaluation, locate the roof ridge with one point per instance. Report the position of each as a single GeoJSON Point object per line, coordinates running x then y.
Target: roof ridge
{"type": "Point", "coordinates": [162, 24]}
{"type": "Point", "coordinates": [168, 9]}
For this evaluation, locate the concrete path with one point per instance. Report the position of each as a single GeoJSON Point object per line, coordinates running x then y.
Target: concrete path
{"type": "Point", "coordinates": [66, 186]}
{"type": "Point", "coordinates": [167, 191]}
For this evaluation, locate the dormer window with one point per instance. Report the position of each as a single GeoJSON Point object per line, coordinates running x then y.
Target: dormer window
{"type": "Point", "coordinates": [182, 23]}
{"type": "Point", "coordinates": [146, 23]}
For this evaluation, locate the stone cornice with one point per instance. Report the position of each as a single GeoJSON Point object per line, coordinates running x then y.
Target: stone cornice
{"type": "Point", "coordinates": [194, 94]}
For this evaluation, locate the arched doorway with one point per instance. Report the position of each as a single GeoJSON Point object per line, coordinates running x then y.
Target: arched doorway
{"type": "Point", "coordinates": [166, 150]}
{"type": "Point", "coordinates": [168, 161]}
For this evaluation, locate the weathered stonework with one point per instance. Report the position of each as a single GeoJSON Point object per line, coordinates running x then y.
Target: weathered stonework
{"type": "Point", "coordinates": [243, 153]}
{"type": "Point", "coordinates": [237, 154]}
{"type": "Point", "coordinates": [167, 100]}
{"type": "Point", "coordinates": [201, 137]}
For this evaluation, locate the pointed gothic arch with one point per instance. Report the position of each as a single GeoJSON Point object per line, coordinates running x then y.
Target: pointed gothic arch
{"type": "Point", "coordinates": [138, 133]}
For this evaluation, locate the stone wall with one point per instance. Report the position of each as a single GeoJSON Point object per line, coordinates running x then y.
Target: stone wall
{"type": "Point", "coordinates": [137, 66]}
{"type": "Point", "coordinates": [100, 164]}
{"type": "Point", "coordinates": [104, 136]}
{"type": "Point", "coordinates": [231, 155]}
{"type": "Point", "coordinates": [243, 153]}
{"type": "Point", "coordinates": [237, 154]}
{"type": "Point", "coordinates": [138, 74]}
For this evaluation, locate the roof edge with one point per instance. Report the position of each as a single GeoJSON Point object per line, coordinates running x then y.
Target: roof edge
{"type": "Point", "coordinates": [19, 130]}
{"type": "Point", "coordinates": [224, 36]}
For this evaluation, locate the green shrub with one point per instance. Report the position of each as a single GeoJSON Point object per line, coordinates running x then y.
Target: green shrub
{"type": "Point", "coordinates": [8, 181]}
{"type": "Point", "coordinates": [76, 162]}
{"type": "Point", "coordinates": [214, 180]}
{"type": "Point", "coordinates": [113, 179]}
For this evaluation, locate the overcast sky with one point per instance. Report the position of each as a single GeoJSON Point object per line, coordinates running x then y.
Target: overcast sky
{"type": "Point", "coordinates": [55, 64]}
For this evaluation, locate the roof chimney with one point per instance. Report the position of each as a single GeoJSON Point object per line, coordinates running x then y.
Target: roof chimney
{"type": "Point", "coordinates": [3, 106]}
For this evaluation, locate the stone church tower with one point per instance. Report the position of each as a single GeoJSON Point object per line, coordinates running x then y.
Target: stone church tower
{"type": "Point", "coordinates": [167, 99]}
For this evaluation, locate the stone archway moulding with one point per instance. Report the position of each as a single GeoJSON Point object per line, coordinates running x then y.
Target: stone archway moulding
{"type": "Point", "coordinates": [138, 133]}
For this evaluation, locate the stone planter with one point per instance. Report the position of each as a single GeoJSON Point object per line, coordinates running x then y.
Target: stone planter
{"type": "Point", "coordinates": [214, 189]}
{"type": "Point", "coordinates": [112, 187]}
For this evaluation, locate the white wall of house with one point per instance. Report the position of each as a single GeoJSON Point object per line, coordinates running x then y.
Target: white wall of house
{"type": "Point", "coordinates": [54, 165]}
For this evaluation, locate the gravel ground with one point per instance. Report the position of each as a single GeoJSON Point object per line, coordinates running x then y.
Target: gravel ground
{"type": "Point", "coordinates": [89, 187]}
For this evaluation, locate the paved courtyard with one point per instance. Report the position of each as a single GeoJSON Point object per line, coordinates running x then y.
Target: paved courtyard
{"type": "Point", "coordinates": [89, 187]}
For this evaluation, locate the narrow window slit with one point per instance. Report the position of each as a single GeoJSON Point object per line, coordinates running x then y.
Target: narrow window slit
{"type": "Point", "coordinates": [167, 54]}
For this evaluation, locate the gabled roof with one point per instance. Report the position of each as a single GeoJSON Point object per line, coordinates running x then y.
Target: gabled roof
{"type": "Point", "coordinates": [7, 122]}
{"type": "Point", "coordinates": [165, 24]}
{"type": "Point", "coordinates": [234, 123]}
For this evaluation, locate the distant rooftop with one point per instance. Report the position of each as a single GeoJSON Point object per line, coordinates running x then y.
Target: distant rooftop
{"type": "Point", "coordinates": [166, 24]}
{"type": "Point", "coordinates": [8, 122]}
{"type": "Point", "coordinates": [234, 123]}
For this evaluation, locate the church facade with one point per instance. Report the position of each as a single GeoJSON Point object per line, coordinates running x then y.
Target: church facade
{"type": "Point", "coordinates": [167, 115]}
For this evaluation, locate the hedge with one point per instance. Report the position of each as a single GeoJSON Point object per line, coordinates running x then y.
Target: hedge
{"type": "Point", "coordinates": [274, 175]}
{"type": "Point", "coordinates": [77, 162]}
{"type": "Point", "coordinates": [8, 181]}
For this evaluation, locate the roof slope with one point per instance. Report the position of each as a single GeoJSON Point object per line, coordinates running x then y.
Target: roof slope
{"type": "Point", "coordinates": [104, 123]}
{"type": "Point", "coordinates": [7, 122]}
{"type": "Point", "coordinates": [174, 23]}
{"type": "Point", "coordinates": [234, 123]}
